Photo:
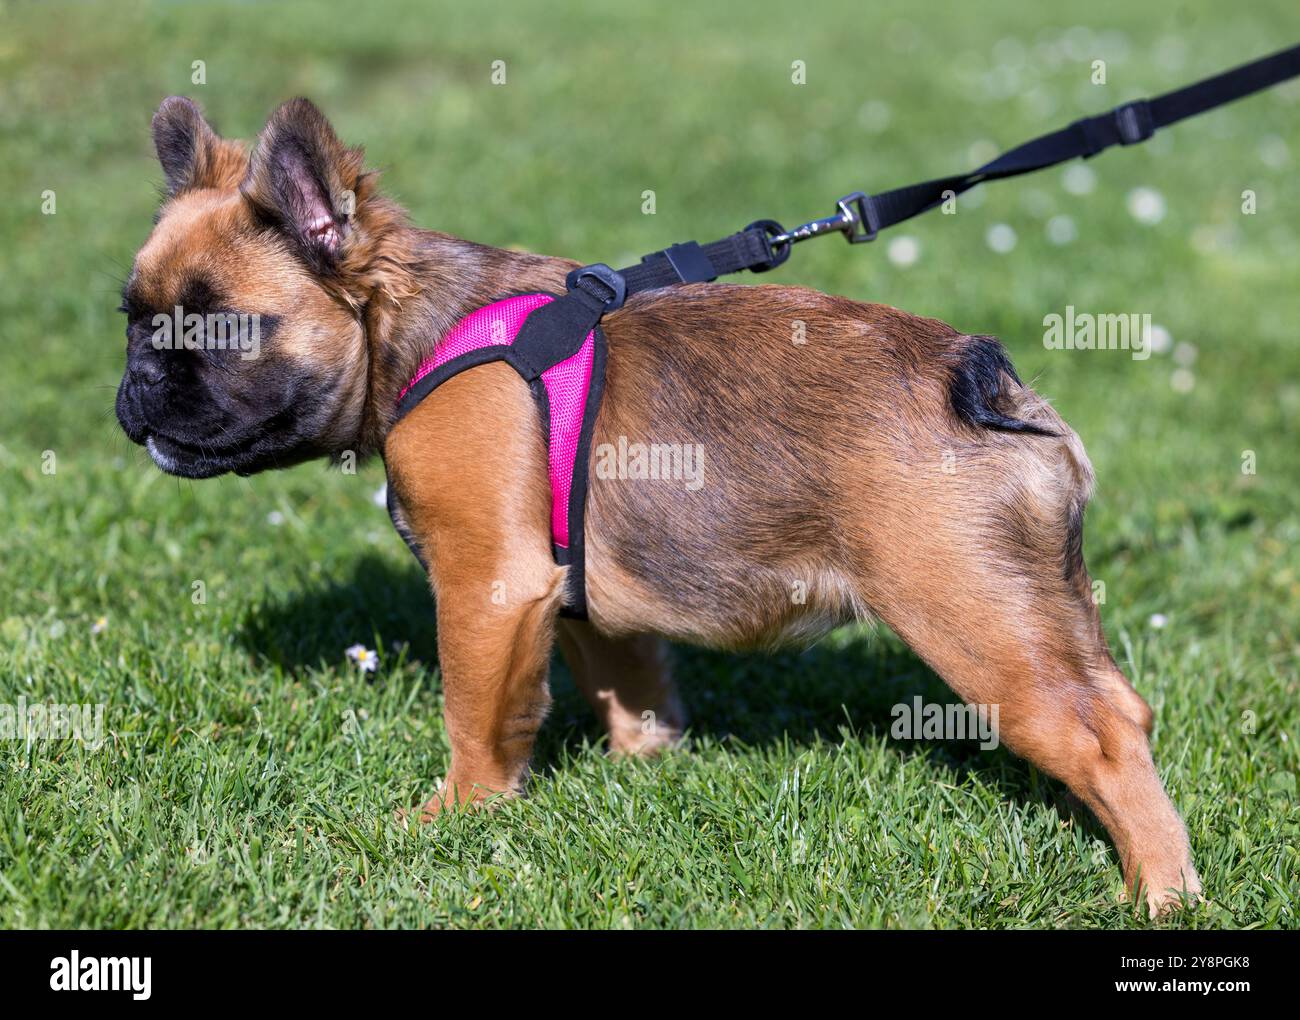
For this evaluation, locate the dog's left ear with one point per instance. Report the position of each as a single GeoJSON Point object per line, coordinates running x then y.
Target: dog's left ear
{"type": "Point", "coordinates": [303, 179]}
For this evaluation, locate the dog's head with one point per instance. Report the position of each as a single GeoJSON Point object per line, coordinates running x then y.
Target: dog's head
{"type": "Point", "coordinates": [246, 347]}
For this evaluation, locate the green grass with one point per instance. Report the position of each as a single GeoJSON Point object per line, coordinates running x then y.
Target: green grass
{"type": "Point", "coordinates": [250, 772]}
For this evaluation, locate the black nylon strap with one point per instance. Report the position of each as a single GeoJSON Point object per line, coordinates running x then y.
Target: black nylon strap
{"type": "Point", "coordinates": [1125, 125]}
{"type": "Point", "coordinates": [743, 250]}
{"type": "Point", "coordinates": [1226, 87]}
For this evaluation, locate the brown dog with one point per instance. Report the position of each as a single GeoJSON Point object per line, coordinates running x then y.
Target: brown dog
{"type": "Point", "coordinates": [858, 462]}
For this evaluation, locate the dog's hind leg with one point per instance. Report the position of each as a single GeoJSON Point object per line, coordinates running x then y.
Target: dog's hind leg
{"type": "Point", "coordinates": [629, 684]}
{"type": "Point", "coordinates": [1059, 706]}
{"type": "Point", "coordinates": [981, 572]}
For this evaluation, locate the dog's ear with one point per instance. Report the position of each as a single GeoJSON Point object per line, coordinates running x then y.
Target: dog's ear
{"type": "Point", "coordinates": [305, 181]}
{"type": "Point", "coordinates": [191, 153]}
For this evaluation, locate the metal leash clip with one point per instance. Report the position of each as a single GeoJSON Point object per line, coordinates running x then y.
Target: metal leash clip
{"type": "Point", "coordinates": [856, 220]}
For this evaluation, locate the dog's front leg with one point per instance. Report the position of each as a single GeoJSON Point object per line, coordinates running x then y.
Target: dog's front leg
{"type": "Point", "coordinates": [471, 492]}
{"type": "Point", "coordinates": [494, 657]}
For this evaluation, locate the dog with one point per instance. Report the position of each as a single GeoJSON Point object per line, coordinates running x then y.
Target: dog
{"type": "Point", "coordinates": [857, 462]}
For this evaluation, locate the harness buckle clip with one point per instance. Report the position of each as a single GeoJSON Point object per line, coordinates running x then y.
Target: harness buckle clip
{"type": "Point", "coordinates": [611, 279]}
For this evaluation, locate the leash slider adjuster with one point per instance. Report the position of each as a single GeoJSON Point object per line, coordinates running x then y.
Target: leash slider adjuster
{"type": "Point", "coordinates": [1134, 122]}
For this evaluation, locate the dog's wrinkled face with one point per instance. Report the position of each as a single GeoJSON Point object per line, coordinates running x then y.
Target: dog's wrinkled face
{"type": "Point", "coordinates": [244, 347]}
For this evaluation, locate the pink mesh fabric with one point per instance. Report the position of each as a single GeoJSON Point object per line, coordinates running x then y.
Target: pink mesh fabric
{"type": "Point", "coordinates": [566, 388]}
{"type": "Point", "coordinates": [566, 391]}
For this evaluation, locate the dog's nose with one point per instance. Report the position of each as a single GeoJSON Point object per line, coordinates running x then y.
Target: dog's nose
{"type": "Point", "coordinates": [144, 369]}
{"type": "Point", "coordinates": [147, 374]}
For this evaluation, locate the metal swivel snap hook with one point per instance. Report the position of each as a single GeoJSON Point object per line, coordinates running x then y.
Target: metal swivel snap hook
{"type": "Point", "coordinates": [856, 219]}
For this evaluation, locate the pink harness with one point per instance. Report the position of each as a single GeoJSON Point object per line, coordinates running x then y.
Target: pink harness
{"type": "Point", "coordinates": [568, 396]}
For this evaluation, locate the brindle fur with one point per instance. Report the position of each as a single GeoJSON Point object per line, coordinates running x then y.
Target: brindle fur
{"type": "Point", "coordinates": [886, 466]}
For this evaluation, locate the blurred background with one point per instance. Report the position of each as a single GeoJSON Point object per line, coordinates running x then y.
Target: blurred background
{"type": "Point", "coordinates": [1195, 530]}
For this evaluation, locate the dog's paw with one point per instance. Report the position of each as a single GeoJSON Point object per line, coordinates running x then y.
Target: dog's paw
{"type": "Point", "coordinates": [1177, 891]}
{"type": "Point", "coordinates": [1161, 904]}
{"type": "Point", "coordinates": [636, 742]}
{"type": "Point", "coordinates": [450, 796]}
{"type": "Point", "coordinates": [421, 815]}
{"type": "Point", "coordinates": [649, 733]}
{"type": "Point", "coordinates": [427, 812]}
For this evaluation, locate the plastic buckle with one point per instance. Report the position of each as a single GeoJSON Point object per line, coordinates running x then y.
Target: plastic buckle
{"type": "Point", "coordinates": [611, 279]}
{"type": "Point", "coordinates": [861, 221]}
{"type": "Point", "coordinates": [1134, 122]}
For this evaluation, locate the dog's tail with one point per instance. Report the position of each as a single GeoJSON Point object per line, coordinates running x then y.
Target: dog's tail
{"type": "Point", "coordinates": [981, 385]}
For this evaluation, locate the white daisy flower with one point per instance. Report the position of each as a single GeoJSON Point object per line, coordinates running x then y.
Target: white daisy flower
{"type": "Point", "coordinates": [903, 251]}
{"type": "Point", "coordinates": [1061, 230]}
{"type": "Point", "coordinates": [99, 626]}
{"type": "Point", "coordinates": [1079, 179]}
{"type": "Point", "coordinates": [366, 660]}
{"type": "Point", "coordinates": [1146, 205]}
{"type": "Point", "coordinates": [874, 116]}
{"type": "Point", "coordinates": [1001, 237]}
{"type": "Point", "coordinates": [1273, 152]}
{"type": "Point", "coordinates": [981, 152]}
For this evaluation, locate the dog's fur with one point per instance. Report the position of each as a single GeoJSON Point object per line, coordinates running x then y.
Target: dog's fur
{"type": "Point", "coordinates": [887, 466]}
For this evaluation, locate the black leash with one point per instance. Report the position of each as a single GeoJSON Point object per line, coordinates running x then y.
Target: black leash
{"type": "Point", "coordinates": [860, 217]}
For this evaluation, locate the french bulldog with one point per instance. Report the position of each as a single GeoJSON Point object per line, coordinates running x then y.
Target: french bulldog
{"type": "Point", "coordinates": [856, 462]}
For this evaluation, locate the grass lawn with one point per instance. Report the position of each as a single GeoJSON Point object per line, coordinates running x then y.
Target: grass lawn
{"type": "Point", "coordinates": [250, 771]}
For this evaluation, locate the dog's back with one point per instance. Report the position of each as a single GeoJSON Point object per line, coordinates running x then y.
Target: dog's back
{"type": "Point", "coordinates": [819, 430]}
